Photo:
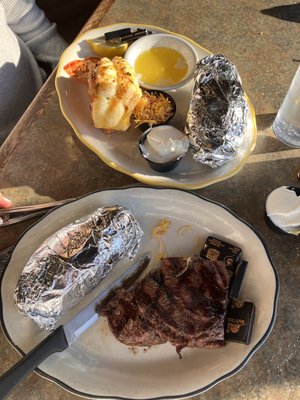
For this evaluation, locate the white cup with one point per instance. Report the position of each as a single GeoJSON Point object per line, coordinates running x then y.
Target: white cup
{"type": "Point", "coordinates": [286, 125]}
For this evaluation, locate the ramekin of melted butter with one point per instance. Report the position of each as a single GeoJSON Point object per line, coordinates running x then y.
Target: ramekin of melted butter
{"type": "Point", "coordinates": [161, 66]}
{"type": "Point", "coordinates": [162, 61]}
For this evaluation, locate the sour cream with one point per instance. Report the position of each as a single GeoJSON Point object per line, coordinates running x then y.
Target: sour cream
{"type": "Point", "coordinates": [165, 143]}
{"type": "Point", "coordinates": [283, 209]}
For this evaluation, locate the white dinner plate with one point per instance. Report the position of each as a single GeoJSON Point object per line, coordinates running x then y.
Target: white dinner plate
{"type": "Point", "coordinates": [97, 365]}
{"type": "Point", "coordinates": [120, 150]}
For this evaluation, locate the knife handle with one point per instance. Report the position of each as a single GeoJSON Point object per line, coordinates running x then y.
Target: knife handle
{"type": "Point", "coordinates": [53, 343]}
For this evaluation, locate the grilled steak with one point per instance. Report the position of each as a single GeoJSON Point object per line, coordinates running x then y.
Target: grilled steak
{"type": "Point", "coordinates": [183, 303]}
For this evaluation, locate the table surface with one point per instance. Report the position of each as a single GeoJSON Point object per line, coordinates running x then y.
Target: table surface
{"type": "Point", "coordinates": [43, 160]}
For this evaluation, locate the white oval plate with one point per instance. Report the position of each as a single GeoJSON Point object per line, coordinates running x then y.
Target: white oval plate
{"type": "Point", "coordinates": [97, 365]}
{"type": "Point", "coordinates": [120, 150]}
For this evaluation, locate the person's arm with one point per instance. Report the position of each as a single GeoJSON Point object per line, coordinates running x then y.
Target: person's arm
{"type": "Point", "coordinates": [30, 23]}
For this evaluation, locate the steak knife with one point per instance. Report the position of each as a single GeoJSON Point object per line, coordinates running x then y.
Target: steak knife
{"type": "Point", "coordinates": [64, 335]}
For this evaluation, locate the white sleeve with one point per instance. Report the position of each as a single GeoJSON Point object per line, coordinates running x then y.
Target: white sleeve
{"type": "Point", "coordinates": [30, 23]}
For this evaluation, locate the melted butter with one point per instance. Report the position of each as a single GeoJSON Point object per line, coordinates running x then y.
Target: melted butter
{"type": "Point", "coordinates": [161, 66]}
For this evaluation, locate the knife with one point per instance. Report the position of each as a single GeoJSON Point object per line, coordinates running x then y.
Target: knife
{"type": "Point", "coordinates": [64, 335]}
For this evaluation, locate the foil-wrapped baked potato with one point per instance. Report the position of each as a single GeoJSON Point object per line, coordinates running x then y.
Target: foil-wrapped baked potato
{"type": "Point", "coordinates": [217, 114]}
{"type": "Point", "coordinates": [73, 261]}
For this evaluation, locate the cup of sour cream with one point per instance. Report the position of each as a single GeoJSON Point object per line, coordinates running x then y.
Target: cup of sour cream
{"type": "Point", "coordinates": [163, 147]}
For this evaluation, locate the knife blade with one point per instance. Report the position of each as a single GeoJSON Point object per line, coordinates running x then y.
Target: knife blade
{"type": "Point", "coordinates": [64, 335]}
{"type": "Point", "coordinates": [86, 317]}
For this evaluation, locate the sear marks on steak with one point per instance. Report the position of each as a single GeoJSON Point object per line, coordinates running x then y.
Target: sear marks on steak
{"type": "Point", "coordinates": [183, 302]}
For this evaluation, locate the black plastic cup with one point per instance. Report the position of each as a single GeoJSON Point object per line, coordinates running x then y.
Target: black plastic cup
{"type": "Point", "coordinates": [143, 127]}
{"type": "Point", "coordinates": [160, 167]}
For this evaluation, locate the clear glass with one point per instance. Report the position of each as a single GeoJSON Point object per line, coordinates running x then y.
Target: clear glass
{"type": "Point", "coordinates": [286, 125]}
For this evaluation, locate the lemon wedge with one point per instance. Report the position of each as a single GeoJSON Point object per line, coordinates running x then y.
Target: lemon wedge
{"type": "Point", "coordinates": [108, 48]}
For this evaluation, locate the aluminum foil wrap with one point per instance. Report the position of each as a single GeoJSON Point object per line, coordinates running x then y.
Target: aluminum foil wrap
{"type": "Point", "coordinates": [217, 115]}
{"type": "Point", "coordinates": [73, 261]}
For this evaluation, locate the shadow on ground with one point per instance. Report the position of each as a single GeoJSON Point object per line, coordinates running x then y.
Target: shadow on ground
{"type": "Point", "coordinates": [289, 12]}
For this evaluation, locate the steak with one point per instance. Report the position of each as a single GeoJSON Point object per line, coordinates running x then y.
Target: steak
{"type": "Point", "coordinates": [183, 302]}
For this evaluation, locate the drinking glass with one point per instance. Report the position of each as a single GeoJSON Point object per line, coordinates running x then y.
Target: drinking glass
{"type": "Point", "coordinates": [286, 125]}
